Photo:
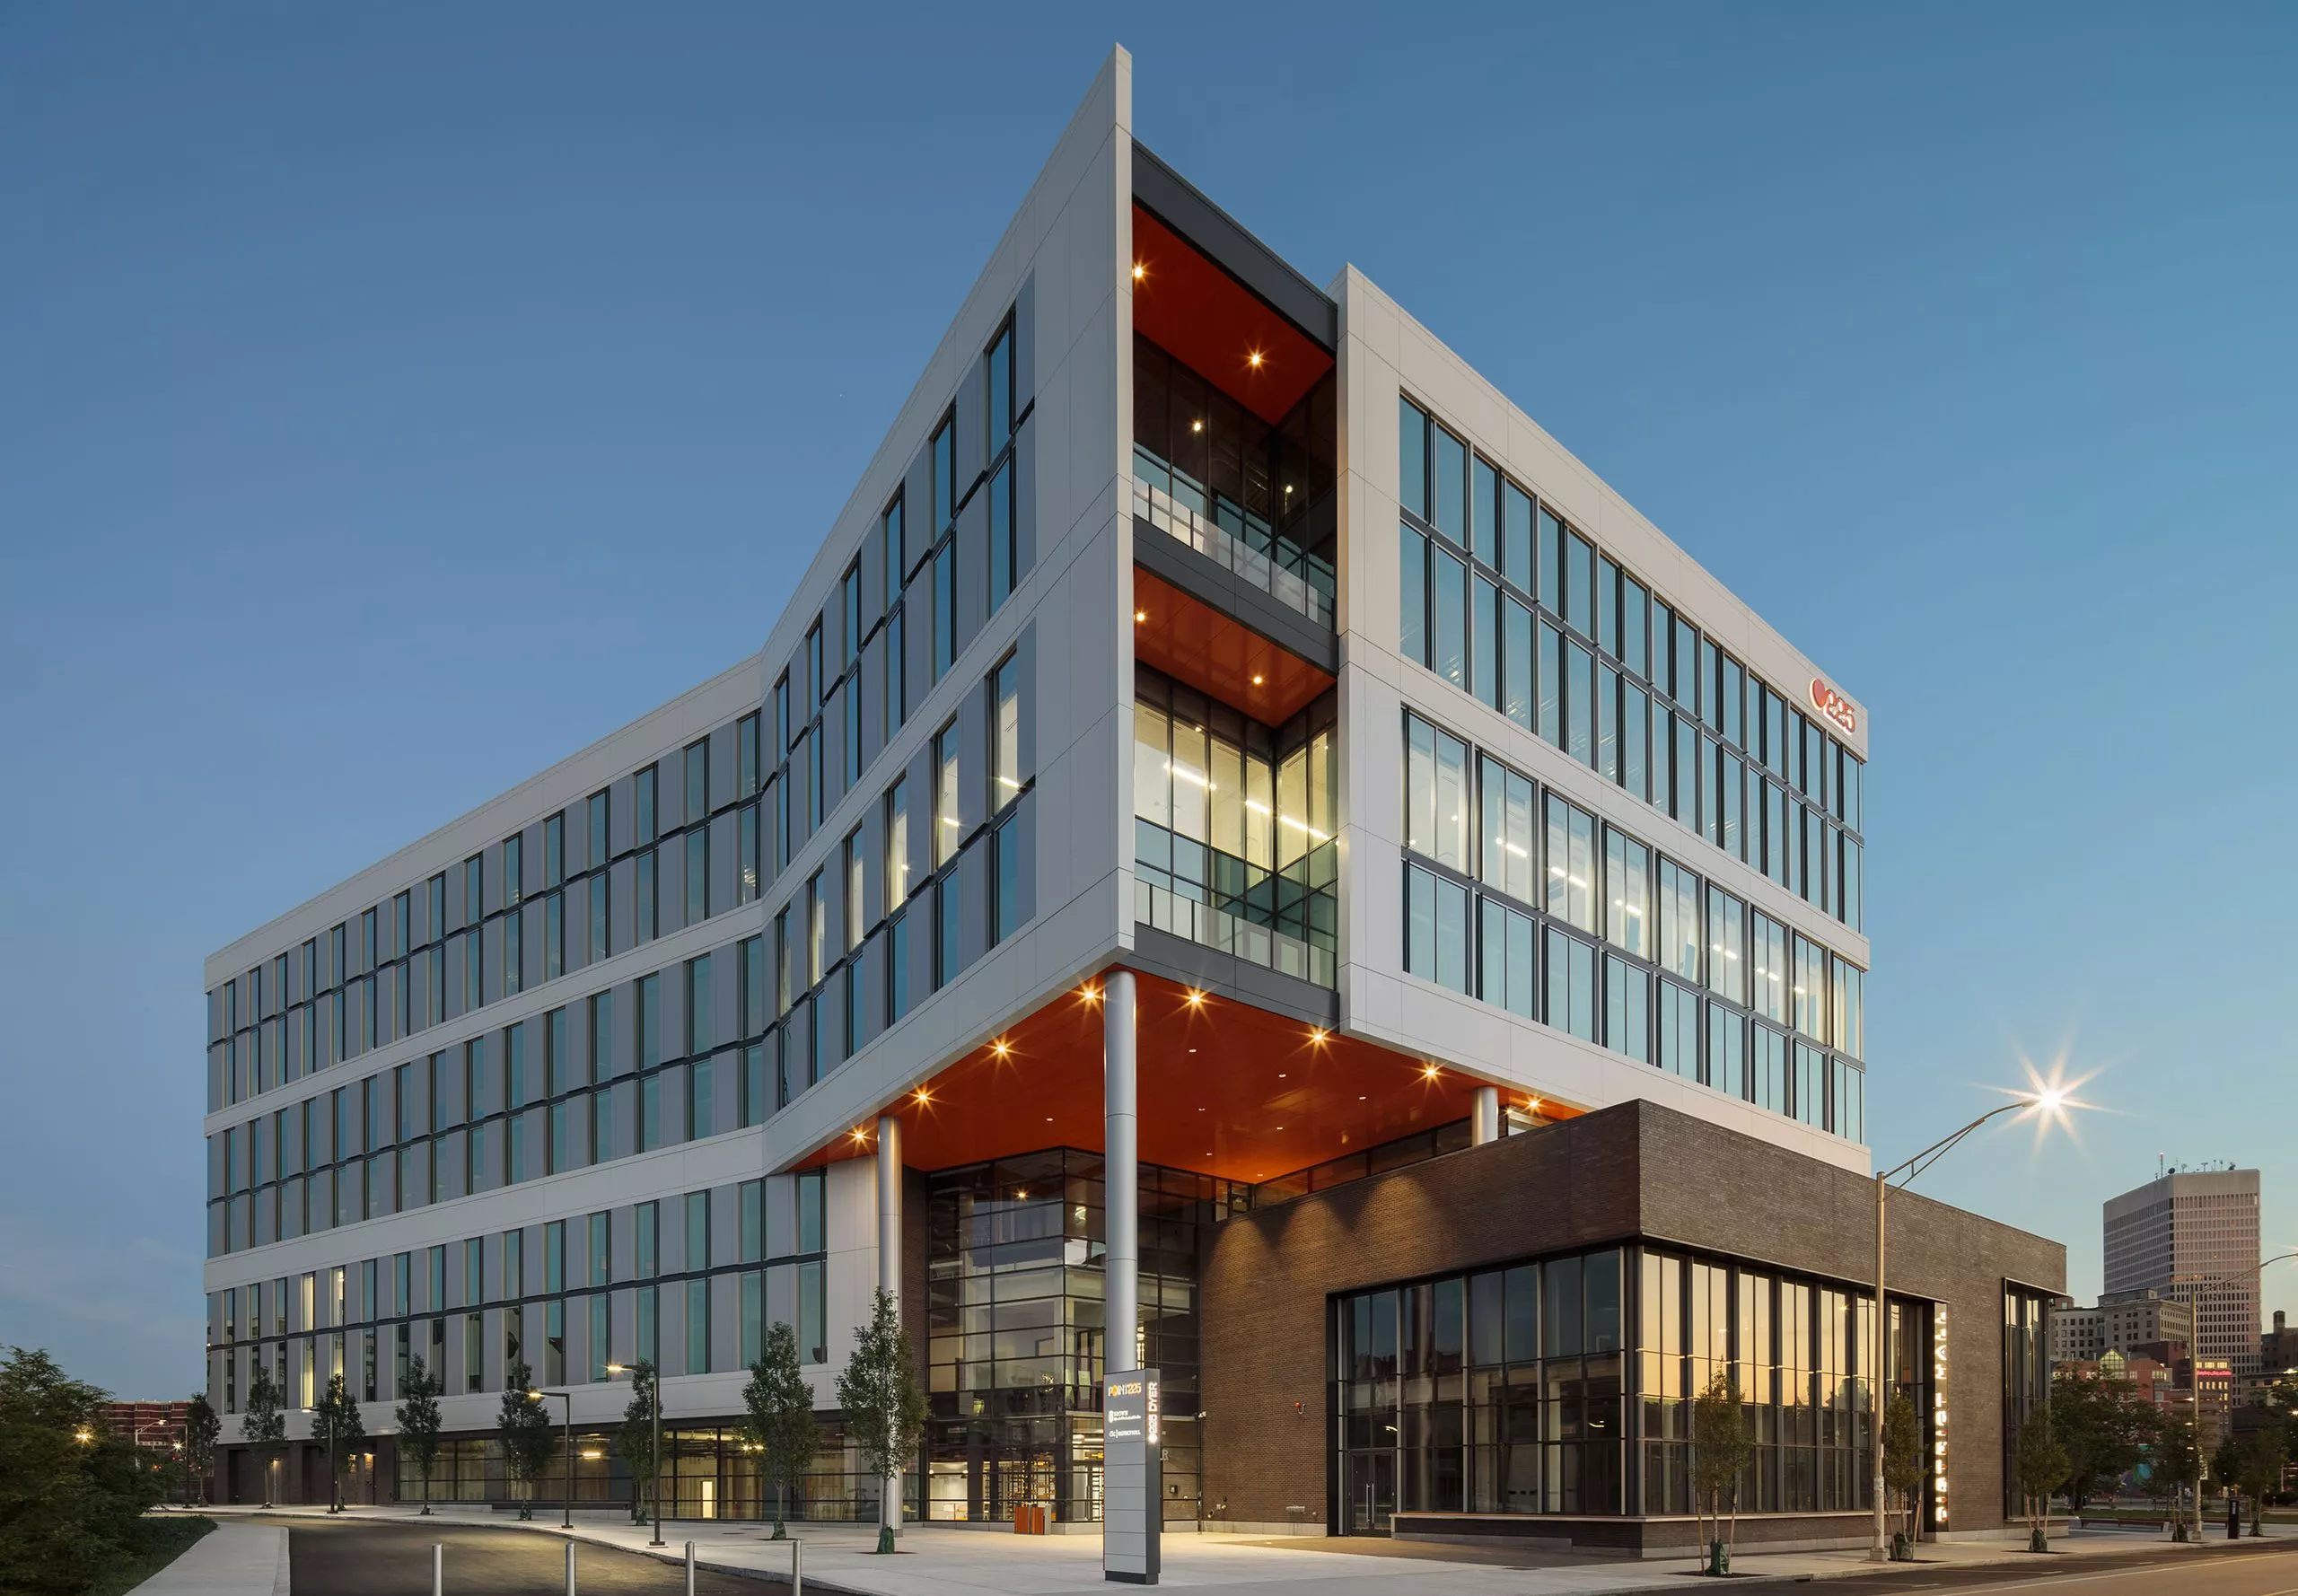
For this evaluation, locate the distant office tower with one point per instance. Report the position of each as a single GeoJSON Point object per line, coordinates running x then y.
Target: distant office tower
{"type": "Point", "coordinates": [2194, 1238]}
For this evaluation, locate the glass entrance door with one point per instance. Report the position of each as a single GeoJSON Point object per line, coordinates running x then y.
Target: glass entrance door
{"type": "Point", "coordinates": [1370, 1492]}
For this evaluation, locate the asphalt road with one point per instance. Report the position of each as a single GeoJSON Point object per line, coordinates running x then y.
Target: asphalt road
{"type": "Point", "coordinates": [356, 1558]}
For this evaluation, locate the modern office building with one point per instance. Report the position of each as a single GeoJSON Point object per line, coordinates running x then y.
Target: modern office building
{"type": "Point", "coordinates": [1236, 834]}
{"type": "Point", "coordinates": [2192, 1236]}
{"type": "Point", "coordinates": [2122, 1322]}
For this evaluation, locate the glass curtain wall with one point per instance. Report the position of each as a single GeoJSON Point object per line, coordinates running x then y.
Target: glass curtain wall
{"type": "Point", "coordinates": [2026, 1376]}
{"type": "Point", "coordinates": [1017, 1333]}
{"type": "Point", "coordinates": [1270, 488]}
{"type": "Point", "coordinates": [1565, 1386]}
{"type": "Point", "coordinates": [1239, 817]}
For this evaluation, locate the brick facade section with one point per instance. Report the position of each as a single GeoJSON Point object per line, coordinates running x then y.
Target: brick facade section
{"type": "Point", "coordinates": [1635, 1171]}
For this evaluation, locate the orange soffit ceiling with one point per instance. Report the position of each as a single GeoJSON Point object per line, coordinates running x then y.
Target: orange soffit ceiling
{"type": "Point", "coordinates": [1192, 642]}
{"type": "Point", "coordinates": [1216, 326]}
{"type": "Point", "coordinates": [1224, 1087]}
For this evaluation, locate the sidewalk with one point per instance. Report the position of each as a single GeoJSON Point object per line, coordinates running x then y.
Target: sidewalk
{"type": "Point", "coordinates": [948, 1561]}
{"type": "Point", "coordinates": [231, 1560]}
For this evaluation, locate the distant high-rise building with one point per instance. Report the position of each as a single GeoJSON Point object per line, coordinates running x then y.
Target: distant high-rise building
{"type": "Point", "coordinates": [2193, 1236]}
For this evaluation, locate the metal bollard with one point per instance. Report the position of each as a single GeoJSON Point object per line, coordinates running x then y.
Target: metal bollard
{"type": "Point", "coordinates": [570, 1568]}
{"type": "Point", "coordinates": [689, 1568]}
{"type": "Point", "coordinates": [438, 1569]}
{"type": "Point", "coordinates": [797, 1568]}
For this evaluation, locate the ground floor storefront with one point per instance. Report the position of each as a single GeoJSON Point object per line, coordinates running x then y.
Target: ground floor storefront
{"type": "Point", "coordinates": [1507, 1341]}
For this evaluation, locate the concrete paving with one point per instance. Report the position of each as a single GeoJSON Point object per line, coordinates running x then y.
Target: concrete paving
{"type": "Point", "coordinates": [233, 1559]}
{"type": "Point", "coordinates": [938, 1561]}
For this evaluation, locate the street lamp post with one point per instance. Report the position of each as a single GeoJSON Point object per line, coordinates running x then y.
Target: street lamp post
{"type": "Point", "coordinates": [2048, 1099]}
{"type": "Point", "coordinates": [653, 1485]}
{"type": "Point", "coordinates": [566, 1507]}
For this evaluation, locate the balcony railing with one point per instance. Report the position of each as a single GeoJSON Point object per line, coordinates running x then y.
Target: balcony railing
{"type": "Point", "coordinates": [1154, 502]}
{"type": "Point", "coordinates": [1283, 920]}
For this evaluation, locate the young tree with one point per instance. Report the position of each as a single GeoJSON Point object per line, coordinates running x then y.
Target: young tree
{"type": "Point", "coordinates": [2255, 1468]}
{"type": "Point", "coordinates": [634, 1443]}
{"type": "Point", "coordinates": [2037, 1464]}
{"type": "Point", "coordinates": [201, 1429]}
{"type": "Point", "coordinates": [1720, 1444]}
{"type": "Point", "coordinates": [524, 1427]}
{"type": "Point", "coordinates": [2103, 1425]}
{"type": "Point", "coordinates": [2177, 1464]}
{"type": "Point", "coordinates": [781, 1418]}
{"type": "Point", "coordinates": [1903, 1460]}
{"type": "Point", "coordinates": [885, 1406]}
{"type": "Point", "coordinates": [336, 1425]}
{"type": "Point", "coordinates": [263, 1426]}
{"type": "Point", "coordinates": [419, 1422]}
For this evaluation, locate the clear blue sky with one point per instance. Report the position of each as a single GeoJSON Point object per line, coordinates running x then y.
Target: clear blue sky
{"type": "Point", "coordinates": [394, 400]}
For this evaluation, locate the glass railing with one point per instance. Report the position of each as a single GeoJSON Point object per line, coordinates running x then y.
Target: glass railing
{"type": "Point", "coordinates": [1285, 920]}
{"type": "Point", "coordinates": [1221, 530]}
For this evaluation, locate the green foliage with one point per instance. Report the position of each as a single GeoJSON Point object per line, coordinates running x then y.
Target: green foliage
{"type": "Point", "coordinates": [780, 1418]}
{"type": "Point", "coordinates": [159, 1541]}
{"type": "Point", "coordinates": [2037, 1464]}
{"type": "Point", "coordinates": [71, 1492]}
{"type": "Point", "coordinates": [1904, 1464]}
{"type": "Point", "coordinates": [2252, 1462]}
{"type": "Point", "coordinates": [524, 1427]}
{"type": "Point", "coordinates": [262, 1424]}
{"type": "Point", "coordinates": [1720, 1444]}
{"type": "Point", "coordinates": [201, 1428]}
{"type": "Point", "coordinates": [419, 1420]}
{"type": "Point", "coordinates": [337, 1425]}
{"type": "Point", "coordinates": [635, 1445]}
{"type": "Point", "coordinates": [2103, 1426]}
{"type": "Point", "coordinates": [885, 1406]}
{"type": "Point", "coordinates": [2176, 1459]}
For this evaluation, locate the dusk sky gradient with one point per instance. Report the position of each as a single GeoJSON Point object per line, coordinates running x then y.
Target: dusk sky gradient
{"type": "Point", "coordinates": [395, 400]}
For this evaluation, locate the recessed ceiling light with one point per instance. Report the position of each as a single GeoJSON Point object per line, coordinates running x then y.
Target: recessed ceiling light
{"type": "Point", "coordinates": [1317, 1034]}
{"type": "Point", "coordinates": [1140, 614]}
{"type": "Point", "coordinates": [1253, 360]}
{"type": "Point", "coordinates": [1429, 1073]}
{"type": "Point", "coordinates": [1280, 1074]}
{"type": "Point", "coordinates": [1197, 426]}
{"type": "Point", "coordinates": [1196, 998]}
{"type": "Point", "coordinates": [1139, 271]}
{"type": "Point", "coordinates": [1256, 679]}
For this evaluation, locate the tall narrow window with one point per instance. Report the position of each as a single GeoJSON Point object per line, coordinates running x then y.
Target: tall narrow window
{"type": "Point", "coordinates": [897, 844]}
{"type": "Point", "coordinates": [945, 609]}
{"type": "Point", "coordinates": [948, 827]}
{"type": "Point", "coordinates": [746, 766]}
{"type": "Point", "coordinates": [597, 813]}
{"type": "Point", "coordinates": [817, 927]}
{"type": "Point", "coordinates": [1004, 550]}
{"type": "Point", "coordinates": [1006, 878]}
{"type": "Point", "coordinates": [945, 476]}
{"type": "Point", "coordinates": [643, 787]}
{"type": "Point", "coordinates": [1004, 733]}
{"type": "Point", "coordinates": [554, 849]}
{"type": "Point", "coordinates": [855, 881]}
{"type": "Point", "coordinates": [513, 878]}
{"type": "Point", "coordinates": [897, 704]}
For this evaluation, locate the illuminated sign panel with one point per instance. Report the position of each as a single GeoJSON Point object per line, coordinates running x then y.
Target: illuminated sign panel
{"type": "Point", "coordinates": [1132, 1477]}
{"type": "Point", "coordinates": [1834, 705]}
{"type": "Point", "coordinates": [1939, 1418]}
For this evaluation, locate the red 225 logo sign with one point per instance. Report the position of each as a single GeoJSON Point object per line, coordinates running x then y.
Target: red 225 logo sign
{"type": "Point", "coordinates": [1834, 705]}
